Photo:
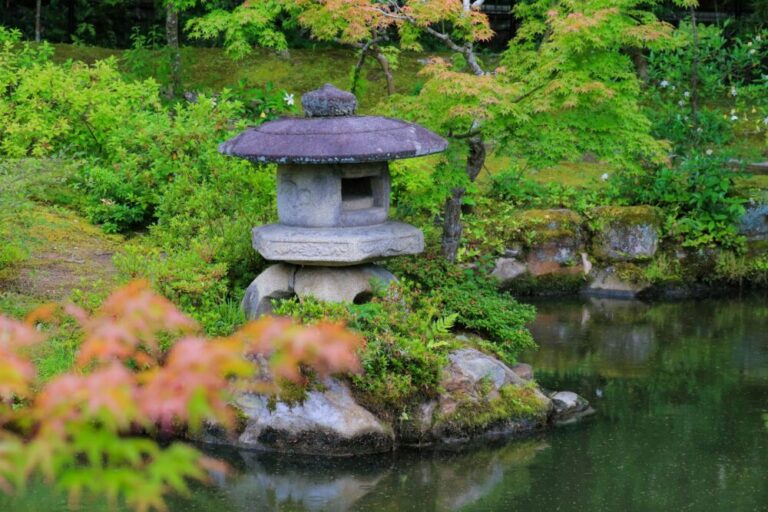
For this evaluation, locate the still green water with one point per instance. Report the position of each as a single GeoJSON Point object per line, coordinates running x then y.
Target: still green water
{"type": "Point", "coordinates": [680, 388]}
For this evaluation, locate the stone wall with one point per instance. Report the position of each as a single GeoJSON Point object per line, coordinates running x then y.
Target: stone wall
{"type": "Point", "coordinates": [616, 251]}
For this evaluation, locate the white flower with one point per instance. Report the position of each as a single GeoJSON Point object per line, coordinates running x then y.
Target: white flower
{"type": "Point", "coordinates": [681, 103]}
{"type": "Point", "coordinates": [664, 83]}
{"type": "Point", "coordinates": [709, 152]}
{"type": "Point", "coordinates": [734, 92]}
{"type": "Point", "coordinates": [749, 43]}
{"type": "Point", "coordinates": [752, 51]}
{"type": "Point", "coordinates": [687, 94]}
{"type": "Point", "coordinates": [734, 118]}
{"type": "Point", "coordinates": [604, 177]}
{"type": "Point", "coordinates": [288, 99]}
{"type": "Point", "coordinates": [699, 129]}
{"type": "Point", "coordinates": [674, 87]}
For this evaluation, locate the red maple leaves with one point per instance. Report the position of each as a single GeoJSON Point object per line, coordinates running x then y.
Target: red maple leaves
{"type": "Point", "coordinates": [76, 429]}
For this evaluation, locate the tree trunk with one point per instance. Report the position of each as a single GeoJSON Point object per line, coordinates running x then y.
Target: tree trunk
{"type": "Point", "coordinates": [358, 69]}
{"type": "Point", "coordinates": [172, 40]}
{"type": "Point", "coordinates": [71, 18]}
{"type": "Point", "coordinates": [452, 224]}
{"type": "Point", "coordinates": [640, 62]}
{"type": "Point", "coordinates": [452, 227]}
{"type": "Point", "coordinates": [384, 64]}
{"type": "Point", "coordinates": [38, 13]}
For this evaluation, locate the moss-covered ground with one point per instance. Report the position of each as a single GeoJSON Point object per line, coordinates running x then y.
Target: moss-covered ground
{"type": "Point", "coordinates": [66, 253]}
{"type": "Point", "coordinates": [68, 259]}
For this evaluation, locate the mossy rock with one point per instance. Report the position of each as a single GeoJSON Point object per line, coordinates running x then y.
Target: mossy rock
{"type": "Point", "coordinates": [513, 408]}
{"type": "Point", "coordinates": [625, 233]}
{"type": "Point", "coordinates": [538, 226]}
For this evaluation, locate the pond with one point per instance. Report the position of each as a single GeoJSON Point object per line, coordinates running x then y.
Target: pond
{"type": "Point", "coordinates": [681, 389]}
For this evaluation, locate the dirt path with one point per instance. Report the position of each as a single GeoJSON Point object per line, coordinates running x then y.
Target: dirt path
{"type": "Point", "coordinates": [66, 253]}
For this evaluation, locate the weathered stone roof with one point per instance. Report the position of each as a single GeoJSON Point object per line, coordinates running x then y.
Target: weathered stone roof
{"type": "Point", "coordinates": [328, 135]}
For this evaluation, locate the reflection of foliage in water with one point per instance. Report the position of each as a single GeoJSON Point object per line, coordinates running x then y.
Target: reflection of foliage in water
{"type": "Point", "coordinates": [683, 427]}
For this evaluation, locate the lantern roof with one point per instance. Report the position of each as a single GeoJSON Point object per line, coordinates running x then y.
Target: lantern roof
{"type": "Point", "coordinates": [331, 133]}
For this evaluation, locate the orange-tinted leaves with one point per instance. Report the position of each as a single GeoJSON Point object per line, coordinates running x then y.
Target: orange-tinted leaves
{"type": "Point", "coordinates": [327, 348]}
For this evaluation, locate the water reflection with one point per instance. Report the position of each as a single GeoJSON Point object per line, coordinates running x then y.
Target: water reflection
{"type": "Point", "coordinates": [406, 480]}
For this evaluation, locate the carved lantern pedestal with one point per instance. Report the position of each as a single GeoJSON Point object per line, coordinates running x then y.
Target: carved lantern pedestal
{"type": "Point", "coordinates": [333, 189]}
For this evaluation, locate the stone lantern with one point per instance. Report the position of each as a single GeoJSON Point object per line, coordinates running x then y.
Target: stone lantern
{"type": "Point", "coordinates": [333, 188]}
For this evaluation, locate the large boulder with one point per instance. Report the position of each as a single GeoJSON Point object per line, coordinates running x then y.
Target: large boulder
{"type": "Point", "coordinates": [327, 421]}
{"type": "Point", "coordinates": [555, 241]}
{"type": "Point", "coordinates": [481, 396]}
{"type": "Point", "coordinates": [626, 233]}
{"type": "Point", "coordinates": [754, 223]}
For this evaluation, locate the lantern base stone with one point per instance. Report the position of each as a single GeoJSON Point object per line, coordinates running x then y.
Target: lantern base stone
{"type": "Point", "coordinates": [331, 284]}
{"type": "Point", "coordinates": [338, 246]}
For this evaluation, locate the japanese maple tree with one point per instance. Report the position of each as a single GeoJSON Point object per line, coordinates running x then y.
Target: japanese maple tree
{"type": "Point", "coordinates": [90, 431]}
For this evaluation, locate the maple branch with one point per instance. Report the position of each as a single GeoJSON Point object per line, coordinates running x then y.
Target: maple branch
{"type": "Point", "coordinates": [467, 50]}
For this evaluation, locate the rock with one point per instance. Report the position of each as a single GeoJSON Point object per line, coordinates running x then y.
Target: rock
{"type": "Point", "coordinates": [469, 368]}
{"type": "Point", "coordinates": [340, 284]}
{"type": "Point", "coordinates": [481, 396]}
{"type": "Point", "coordinates": [523, 370]}
{"type": "Point", "coordinates": [568, 407]}
{"type": "Point", "coordinates": [338, 246]}
{"type": "Point", "coordinates": [513, 251]}
{"type": "Point", "coordinates": [557, 241]}
{"type": "Point", "coordinates": [276, 282]}
{"type": "Point", "coordinates": [562, 256]}
{"type": "Point", "coordinates": [608, 283]}
{"type": "Point", "coordinates": [754, 223]}
{"type": "Point", "coordinates": [626, 233]}
{"type": "Point", "coordinates": [327, 422]}
{"type": "Point", "coordinates": [507, 270]}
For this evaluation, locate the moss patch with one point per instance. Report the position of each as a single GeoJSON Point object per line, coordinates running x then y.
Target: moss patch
{"type": "Point", "coordinates": [514, 403]}
{"type": "Point", "coordinates": [546, 225]}
{"type": "Point", "coordinates": [66, 252]}
{"type": "Point", "coordinates": [629, 215]}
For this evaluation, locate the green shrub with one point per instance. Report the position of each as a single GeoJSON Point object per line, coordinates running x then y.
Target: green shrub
{"type": "Point", "coordinates": [196, 284]}
{"type": "Point", "coordinates": [698, 198]}
{"type": "Point", "coordinates": [474, 298]}
{"type": "Point", "coordinates": [407, 338]}
{"type": "Point", "coordinates": [730, 87]}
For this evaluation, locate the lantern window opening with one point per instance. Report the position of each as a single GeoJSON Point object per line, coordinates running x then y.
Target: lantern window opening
{"type": "Point", "coordinates": [358, 193]}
